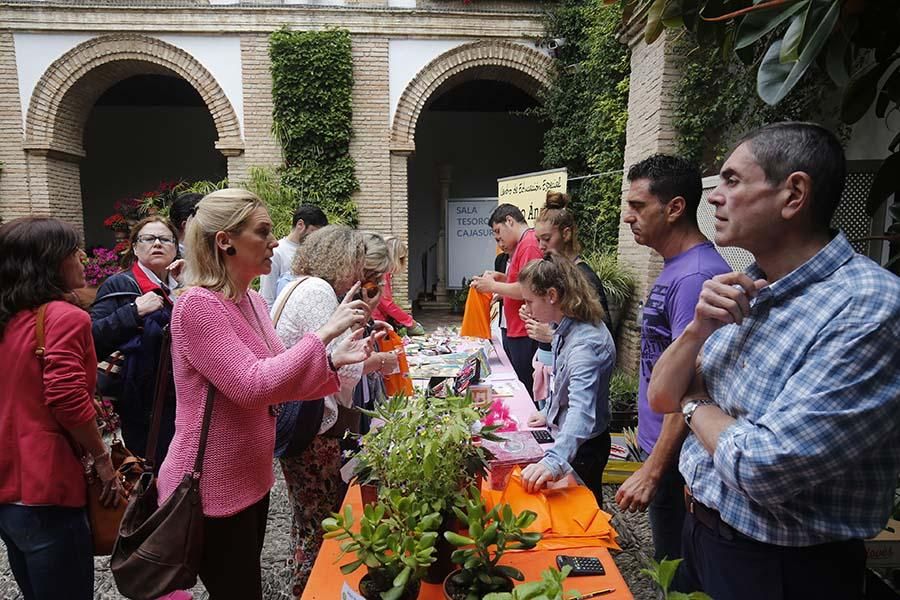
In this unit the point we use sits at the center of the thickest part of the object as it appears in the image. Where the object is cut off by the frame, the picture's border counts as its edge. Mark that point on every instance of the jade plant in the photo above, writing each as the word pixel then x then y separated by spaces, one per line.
pixel 490 534
pixel 548 587
pixel 424 448
pixel 395 541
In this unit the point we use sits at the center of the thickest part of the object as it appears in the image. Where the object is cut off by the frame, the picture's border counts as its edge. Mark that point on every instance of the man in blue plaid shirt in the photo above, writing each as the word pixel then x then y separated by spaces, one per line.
pixel 788 379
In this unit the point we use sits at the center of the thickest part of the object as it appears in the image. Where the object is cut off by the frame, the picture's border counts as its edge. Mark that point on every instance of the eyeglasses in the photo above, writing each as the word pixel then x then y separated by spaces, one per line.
pixel 152 239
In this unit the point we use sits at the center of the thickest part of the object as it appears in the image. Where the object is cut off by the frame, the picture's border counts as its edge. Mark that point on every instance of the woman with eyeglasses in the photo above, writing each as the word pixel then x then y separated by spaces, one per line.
pixel 45 405
pixel 577 411
pixel 129 316
pixel 327 264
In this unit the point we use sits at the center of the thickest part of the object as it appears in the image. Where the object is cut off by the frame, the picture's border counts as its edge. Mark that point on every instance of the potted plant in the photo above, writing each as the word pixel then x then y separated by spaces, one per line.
pixel 623 393
pixel 490 534
pixel 425 449
pixel 459 297
pixel 395 541
pixel 549 587
pixel 618 283
pixel 98 265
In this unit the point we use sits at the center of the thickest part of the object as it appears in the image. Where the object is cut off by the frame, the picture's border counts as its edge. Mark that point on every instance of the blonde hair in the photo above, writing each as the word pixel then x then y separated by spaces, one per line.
pixel 557 213
pixel 397 252
pixel 577 299
pixel 378 257
pixel 223 210
pixel 335 253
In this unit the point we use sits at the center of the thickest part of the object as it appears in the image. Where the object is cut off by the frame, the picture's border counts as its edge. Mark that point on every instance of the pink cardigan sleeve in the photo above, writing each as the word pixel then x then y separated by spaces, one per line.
pixel 208 338
pixel 68 387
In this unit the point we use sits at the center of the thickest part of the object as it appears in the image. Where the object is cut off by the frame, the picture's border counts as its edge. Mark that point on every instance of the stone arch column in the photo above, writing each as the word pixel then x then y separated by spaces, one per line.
pixel 68 90
pixel 498 60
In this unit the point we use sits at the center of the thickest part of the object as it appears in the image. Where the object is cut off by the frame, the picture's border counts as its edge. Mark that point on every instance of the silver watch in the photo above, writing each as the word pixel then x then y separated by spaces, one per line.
pixel 690 406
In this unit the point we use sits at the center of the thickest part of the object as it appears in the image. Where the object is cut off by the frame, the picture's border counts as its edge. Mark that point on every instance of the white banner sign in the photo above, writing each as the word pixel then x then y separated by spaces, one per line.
pixel 470 242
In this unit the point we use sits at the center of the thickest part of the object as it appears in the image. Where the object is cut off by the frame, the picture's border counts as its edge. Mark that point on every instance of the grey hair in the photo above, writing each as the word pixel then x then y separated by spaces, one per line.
pixel 784 148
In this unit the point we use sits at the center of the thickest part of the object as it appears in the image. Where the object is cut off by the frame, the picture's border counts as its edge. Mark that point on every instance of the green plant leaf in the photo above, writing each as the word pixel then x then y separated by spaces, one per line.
pixel 861 92
pixel 887 181
pixel 837 55
pixel 667 570
pixel 760 23
pixel 395 593
pixel 458 540
pixel 790 43
pixel 776 79
pixel 654 21
pixel 402 578
pixel 350 567
pixel 508 571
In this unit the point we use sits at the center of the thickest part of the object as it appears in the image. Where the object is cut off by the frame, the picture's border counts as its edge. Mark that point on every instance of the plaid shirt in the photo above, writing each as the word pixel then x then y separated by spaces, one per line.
pixel 813 379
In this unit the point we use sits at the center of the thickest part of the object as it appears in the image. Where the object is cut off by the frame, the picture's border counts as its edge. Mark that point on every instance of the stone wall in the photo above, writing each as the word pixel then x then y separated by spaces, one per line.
pixel 654 71
pixel 14 196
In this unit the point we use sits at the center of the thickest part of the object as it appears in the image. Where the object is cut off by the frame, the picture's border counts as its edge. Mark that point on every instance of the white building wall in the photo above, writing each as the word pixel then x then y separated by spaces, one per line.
pixel 220 55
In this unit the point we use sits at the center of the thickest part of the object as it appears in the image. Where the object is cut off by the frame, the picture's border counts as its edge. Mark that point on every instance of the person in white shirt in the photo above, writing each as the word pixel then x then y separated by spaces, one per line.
pixel 307 218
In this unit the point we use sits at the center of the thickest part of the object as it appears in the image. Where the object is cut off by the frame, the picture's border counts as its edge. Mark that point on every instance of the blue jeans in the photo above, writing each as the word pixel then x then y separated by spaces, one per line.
pixel 50 551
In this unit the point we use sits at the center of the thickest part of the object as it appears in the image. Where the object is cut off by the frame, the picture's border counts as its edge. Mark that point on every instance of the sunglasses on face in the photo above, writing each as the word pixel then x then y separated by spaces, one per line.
pixel 370 289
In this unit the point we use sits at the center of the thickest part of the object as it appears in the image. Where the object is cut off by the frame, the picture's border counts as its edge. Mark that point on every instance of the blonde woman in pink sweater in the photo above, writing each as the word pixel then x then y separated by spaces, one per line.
pixel 221 335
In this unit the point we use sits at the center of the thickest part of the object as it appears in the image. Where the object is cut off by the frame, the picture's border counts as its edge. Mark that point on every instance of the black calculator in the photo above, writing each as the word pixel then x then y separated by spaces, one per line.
pixel 542 436
pixel 581 565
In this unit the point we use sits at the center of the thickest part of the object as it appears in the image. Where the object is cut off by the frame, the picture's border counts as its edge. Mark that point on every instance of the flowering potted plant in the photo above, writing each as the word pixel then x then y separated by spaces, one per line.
pixel 100 264
pixel 395 542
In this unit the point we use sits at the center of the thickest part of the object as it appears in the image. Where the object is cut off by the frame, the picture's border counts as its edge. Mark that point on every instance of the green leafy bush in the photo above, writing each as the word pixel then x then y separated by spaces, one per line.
pixel 312 81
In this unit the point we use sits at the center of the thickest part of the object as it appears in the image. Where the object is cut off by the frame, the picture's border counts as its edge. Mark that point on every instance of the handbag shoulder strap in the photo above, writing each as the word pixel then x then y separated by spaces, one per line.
pixel 163 371
pixel 39 331
pixel 294 285
pixel 204 431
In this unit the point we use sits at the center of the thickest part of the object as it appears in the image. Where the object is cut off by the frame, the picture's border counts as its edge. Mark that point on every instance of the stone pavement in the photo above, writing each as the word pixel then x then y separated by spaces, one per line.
pixel 634 537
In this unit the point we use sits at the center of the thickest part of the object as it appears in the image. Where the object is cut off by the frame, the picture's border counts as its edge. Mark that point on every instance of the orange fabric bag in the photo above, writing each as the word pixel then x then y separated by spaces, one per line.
pixel 477 316
pixel 397 382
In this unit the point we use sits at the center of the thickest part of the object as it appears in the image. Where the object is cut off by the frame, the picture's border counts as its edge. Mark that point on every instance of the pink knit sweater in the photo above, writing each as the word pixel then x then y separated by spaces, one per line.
pixel 216 340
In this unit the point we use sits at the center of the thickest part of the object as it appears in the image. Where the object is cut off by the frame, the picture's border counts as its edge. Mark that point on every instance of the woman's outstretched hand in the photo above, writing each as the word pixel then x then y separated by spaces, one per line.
pixel 354 348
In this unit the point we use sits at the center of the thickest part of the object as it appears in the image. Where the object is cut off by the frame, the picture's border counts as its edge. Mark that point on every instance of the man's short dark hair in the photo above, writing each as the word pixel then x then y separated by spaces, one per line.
pixel 182 208
pixel 784 148
pixel 505 210
pixel 670 177
pixel 311 215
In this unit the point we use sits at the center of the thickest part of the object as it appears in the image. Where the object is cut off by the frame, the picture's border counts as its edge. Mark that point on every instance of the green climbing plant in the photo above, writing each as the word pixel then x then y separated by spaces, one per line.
pixel 586 109
pixel 312 81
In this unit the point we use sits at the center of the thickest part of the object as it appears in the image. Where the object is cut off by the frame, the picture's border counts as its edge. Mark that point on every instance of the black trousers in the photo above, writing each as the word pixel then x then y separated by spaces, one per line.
pixel 589 462
pixel 231 552
pixel 520 351
pixel 744 569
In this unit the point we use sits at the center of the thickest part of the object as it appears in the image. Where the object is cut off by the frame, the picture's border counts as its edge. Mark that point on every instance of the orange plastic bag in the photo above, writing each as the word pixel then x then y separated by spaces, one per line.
pixel 477 316
pixel 397 382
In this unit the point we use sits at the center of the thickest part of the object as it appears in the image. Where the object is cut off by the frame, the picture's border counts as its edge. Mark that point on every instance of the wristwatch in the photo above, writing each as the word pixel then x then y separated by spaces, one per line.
pixel 690 406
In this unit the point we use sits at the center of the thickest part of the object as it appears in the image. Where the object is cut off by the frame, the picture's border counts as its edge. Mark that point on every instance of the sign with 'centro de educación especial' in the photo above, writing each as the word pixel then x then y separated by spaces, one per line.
pixel 529 191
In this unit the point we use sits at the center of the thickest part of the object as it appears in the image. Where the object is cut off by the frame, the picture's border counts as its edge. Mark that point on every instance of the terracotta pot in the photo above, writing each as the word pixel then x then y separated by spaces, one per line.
pixel 369 493
pixel 452 593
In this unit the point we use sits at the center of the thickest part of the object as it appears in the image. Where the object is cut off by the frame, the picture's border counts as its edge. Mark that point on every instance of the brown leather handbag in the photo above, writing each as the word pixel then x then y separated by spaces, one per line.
pixel 159 547
pixel 104 520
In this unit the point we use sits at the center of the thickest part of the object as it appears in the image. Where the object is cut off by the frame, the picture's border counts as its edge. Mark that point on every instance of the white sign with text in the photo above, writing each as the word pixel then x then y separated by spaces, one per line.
pixel 470 242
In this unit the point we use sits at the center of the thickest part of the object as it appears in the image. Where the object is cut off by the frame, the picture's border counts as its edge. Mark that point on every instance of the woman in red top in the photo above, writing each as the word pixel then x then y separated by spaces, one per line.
pixel 387 310
pixel 46 405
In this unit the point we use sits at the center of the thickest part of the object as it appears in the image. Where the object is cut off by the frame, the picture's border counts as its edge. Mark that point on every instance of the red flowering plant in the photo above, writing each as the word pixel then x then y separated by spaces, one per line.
pixel 116 222
pixel 129 211
pixel 101 263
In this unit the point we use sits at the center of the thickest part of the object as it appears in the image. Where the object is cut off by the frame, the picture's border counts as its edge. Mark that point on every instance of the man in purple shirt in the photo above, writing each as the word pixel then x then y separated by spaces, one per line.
pixel 661 210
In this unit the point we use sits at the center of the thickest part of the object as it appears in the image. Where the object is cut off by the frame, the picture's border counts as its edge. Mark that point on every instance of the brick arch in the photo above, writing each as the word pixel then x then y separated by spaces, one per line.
pixel 507 61
pixel 69 88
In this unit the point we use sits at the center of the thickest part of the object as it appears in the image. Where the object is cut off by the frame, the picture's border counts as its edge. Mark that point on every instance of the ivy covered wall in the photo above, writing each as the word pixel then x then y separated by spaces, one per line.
pixel 587 111
pixel 312 80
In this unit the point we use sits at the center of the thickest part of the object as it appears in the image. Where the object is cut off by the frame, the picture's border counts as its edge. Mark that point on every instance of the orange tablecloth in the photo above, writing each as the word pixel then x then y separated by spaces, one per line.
pixel 326 580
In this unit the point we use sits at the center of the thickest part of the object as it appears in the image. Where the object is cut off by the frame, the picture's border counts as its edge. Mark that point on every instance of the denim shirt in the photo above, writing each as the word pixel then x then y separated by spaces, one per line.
pixel 578 410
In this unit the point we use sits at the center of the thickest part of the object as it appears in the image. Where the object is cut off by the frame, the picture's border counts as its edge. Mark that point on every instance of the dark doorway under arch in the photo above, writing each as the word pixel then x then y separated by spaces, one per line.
pixel 142 131
pixel 479 129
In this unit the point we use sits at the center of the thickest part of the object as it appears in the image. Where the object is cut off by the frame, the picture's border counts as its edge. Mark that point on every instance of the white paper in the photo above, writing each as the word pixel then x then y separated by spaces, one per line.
pixel 348 593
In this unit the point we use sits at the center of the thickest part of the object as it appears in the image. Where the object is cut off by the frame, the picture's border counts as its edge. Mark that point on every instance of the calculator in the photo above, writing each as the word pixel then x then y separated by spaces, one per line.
pixel 581 565
pixel 542 436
